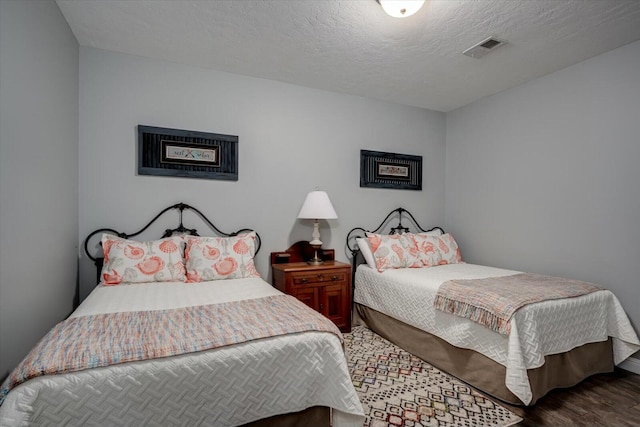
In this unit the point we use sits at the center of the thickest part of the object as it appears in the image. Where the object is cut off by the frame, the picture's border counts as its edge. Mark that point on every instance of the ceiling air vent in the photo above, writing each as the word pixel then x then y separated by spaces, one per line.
pixel 485 46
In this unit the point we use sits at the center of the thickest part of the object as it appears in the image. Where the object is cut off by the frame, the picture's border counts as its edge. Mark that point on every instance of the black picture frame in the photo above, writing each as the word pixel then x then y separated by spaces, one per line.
pixel 379 169
pixel 186 153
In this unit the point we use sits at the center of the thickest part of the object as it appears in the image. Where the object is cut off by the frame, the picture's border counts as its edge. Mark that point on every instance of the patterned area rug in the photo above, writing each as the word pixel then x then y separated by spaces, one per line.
pixel 399 389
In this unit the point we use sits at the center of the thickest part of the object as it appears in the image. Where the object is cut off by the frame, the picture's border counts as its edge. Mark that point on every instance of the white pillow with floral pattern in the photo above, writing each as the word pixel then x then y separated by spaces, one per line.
pixel 449 250
pixel 428 248
pixel 130 261
pixel 394 251
pixel 437 250
pixel 215 258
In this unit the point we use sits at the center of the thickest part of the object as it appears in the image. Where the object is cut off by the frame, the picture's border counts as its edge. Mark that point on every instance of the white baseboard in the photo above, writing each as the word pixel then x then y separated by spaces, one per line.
pixel 631 364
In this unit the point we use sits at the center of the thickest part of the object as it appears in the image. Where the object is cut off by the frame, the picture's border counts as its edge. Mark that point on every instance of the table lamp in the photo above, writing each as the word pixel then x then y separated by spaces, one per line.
pixel 317 206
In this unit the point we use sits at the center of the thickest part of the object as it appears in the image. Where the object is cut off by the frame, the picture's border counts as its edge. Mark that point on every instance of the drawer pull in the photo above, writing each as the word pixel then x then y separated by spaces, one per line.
pixel 303 280
pixel 334 278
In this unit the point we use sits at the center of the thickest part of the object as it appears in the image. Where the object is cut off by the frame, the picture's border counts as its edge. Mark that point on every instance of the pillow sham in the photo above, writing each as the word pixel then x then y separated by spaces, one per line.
pixel 131 261
pixel 394 251
pixel 365 250
pixel 428 249
pixel 437 250
pixel 449 250
pixel 215 258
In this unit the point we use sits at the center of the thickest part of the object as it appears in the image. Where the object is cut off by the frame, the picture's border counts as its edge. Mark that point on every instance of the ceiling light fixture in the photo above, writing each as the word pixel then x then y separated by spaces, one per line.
pixel 401 8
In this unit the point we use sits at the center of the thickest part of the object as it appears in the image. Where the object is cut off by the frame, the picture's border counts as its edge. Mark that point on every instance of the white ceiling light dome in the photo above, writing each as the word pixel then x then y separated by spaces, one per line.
pixel 401 8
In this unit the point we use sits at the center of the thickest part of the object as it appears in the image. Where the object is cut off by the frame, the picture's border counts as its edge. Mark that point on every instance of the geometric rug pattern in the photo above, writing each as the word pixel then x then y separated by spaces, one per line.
pixel 399 389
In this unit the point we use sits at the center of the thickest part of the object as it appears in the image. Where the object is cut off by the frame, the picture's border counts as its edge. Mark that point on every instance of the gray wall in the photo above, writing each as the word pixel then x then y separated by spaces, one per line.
pixel 38 174
pixel 292 139
pixel 545 177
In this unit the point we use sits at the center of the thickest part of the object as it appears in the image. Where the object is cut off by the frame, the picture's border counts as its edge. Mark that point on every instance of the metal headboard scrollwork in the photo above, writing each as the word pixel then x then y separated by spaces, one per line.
pixel 181 207
pixel 359 232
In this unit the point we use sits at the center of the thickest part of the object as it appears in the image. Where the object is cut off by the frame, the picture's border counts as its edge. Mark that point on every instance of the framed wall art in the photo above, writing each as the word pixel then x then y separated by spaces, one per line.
pixel 390 170
pixel 186 153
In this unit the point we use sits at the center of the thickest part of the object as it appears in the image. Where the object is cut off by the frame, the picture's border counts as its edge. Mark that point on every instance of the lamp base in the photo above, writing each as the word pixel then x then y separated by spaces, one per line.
pixel 315 260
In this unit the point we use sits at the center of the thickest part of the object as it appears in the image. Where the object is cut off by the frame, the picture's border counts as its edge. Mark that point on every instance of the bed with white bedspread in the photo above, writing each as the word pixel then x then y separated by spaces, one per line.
pixel 537 330
pixel 248 379
pixel 551 343
pixel 229 386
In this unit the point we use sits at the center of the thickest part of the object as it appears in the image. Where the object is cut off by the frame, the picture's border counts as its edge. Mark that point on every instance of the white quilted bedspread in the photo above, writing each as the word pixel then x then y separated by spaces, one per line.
pixel 537 330
pixel 222 387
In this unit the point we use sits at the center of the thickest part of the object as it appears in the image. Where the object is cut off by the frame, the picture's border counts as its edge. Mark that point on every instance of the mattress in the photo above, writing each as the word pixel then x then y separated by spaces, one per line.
pixel 537 330
pixel 226 386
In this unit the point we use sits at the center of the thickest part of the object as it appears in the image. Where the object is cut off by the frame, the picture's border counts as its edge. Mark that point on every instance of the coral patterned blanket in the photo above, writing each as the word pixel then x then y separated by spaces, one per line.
pixel 106 339
pixel 494 300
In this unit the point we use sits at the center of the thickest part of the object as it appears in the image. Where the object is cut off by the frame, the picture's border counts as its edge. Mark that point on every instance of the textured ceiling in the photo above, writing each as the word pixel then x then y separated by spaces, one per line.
pixel 352 46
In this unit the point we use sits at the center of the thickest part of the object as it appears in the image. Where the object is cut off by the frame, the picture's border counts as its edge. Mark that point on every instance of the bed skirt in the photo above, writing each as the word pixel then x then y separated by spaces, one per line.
pixel 559 370
pixel 314 416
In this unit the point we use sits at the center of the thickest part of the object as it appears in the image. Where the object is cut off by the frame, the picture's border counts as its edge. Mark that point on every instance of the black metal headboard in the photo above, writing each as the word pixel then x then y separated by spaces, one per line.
pixel 359 232
pixel 181 207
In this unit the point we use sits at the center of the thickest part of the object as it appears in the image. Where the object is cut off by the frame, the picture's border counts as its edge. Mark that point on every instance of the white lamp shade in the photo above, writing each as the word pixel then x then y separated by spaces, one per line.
pixel 317 206
pixel 401 8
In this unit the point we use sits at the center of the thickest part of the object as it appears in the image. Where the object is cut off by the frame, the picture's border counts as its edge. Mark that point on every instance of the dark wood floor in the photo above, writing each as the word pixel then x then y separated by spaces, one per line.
pixel 601 400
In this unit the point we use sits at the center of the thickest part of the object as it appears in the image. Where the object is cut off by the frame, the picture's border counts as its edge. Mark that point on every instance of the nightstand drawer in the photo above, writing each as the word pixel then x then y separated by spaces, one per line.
pixel 302 279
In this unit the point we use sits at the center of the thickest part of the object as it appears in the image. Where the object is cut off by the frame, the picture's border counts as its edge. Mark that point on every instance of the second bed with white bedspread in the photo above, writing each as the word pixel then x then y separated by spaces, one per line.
pixel 537 330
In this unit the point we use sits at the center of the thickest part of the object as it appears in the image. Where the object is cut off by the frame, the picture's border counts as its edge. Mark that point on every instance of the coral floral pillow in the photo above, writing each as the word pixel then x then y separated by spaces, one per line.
pixel 130 261
pixel 437 250
pixel 214 258
pixel 428 248
pixel 449 250
pixel 394 251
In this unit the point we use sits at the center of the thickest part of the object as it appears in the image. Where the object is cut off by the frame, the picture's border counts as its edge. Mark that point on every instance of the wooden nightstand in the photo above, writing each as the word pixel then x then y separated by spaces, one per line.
pixel 326 288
